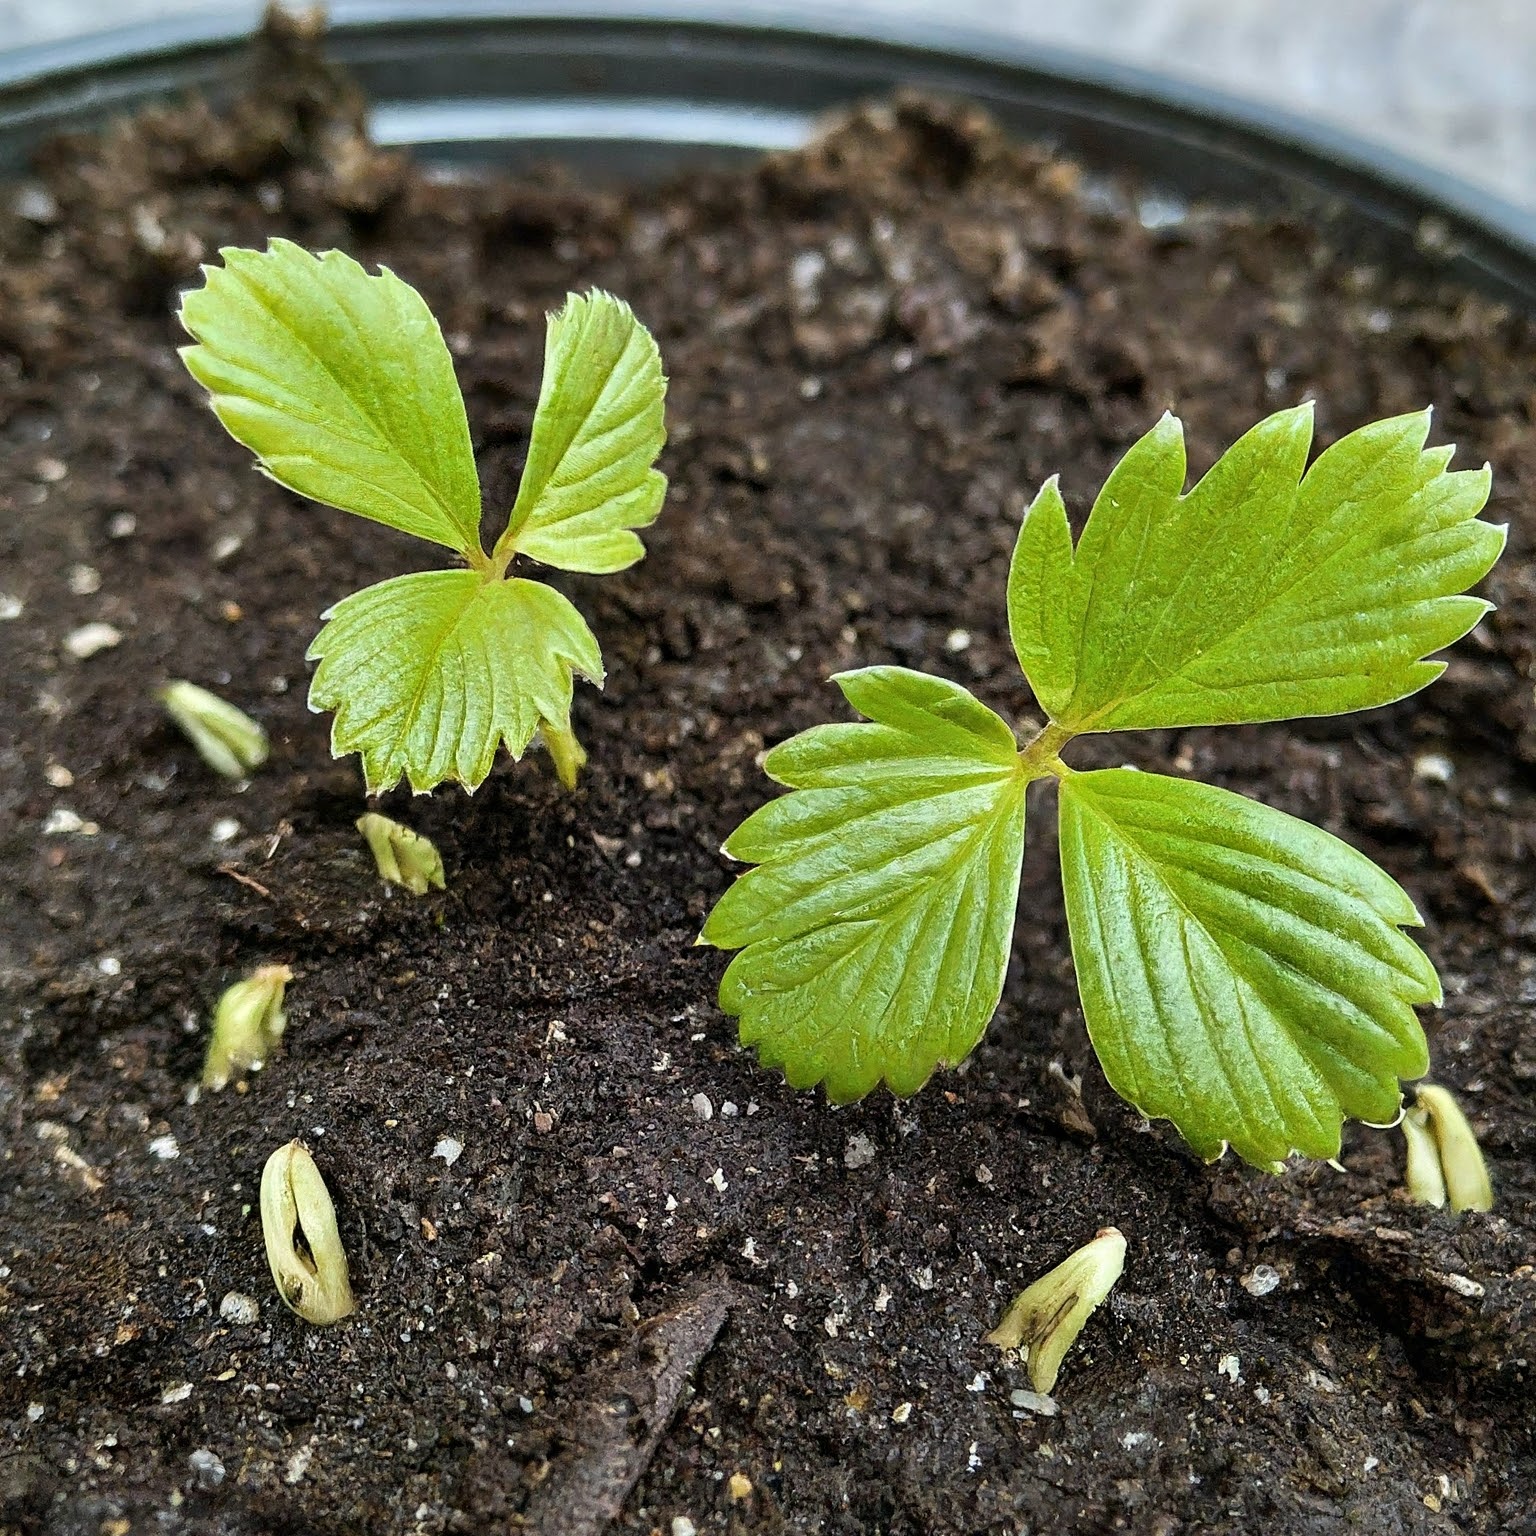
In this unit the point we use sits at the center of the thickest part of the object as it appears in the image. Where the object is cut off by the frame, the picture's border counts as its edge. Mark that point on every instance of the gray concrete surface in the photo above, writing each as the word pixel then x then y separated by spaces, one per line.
pixel 1452 82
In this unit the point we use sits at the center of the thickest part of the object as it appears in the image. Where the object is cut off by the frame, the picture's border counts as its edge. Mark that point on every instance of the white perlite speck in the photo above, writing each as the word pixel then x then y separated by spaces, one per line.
pixel 702 1106
pixel 63 822
pixel 1463 1285
pixel 91 638
pixel 177 1392
pixel 1034 1402
pixel 449 1149
pixel 859 1153
pixel 166 1148
pixel 805 272
pixel 206 1468
pixel 683 1526
pixel 1230 1367
pixel 35 203
pixel 239 1309
pixel 1434 768
pixel 1261 1280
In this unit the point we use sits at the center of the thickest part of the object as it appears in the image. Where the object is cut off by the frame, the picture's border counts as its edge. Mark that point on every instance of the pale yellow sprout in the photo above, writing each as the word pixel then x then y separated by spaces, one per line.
pixel 1424 1176
pixel 304 1252
pixel 1045 1320
pixel 226 738
pixel 248 1022
pixel 1438 1116
pixel 404 857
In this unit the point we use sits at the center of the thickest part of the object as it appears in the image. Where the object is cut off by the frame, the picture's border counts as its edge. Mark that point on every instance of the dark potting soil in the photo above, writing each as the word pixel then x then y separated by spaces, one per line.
pixel 650 1263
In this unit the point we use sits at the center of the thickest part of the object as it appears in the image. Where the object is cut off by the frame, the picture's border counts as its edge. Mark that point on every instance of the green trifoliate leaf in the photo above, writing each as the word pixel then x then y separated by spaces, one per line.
pixel 599 425
pixel 1243 974
pixel 1268 592
pixel 428 673
pixel 341 384
pixel 874 933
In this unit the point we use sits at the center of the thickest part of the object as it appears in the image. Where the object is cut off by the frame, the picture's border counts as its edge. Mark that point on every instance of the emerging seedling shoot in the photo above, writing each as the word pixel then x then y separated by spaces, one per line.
pixel 1243 974
pixel 404 858
pixel 1044 1321
pixel 342 386
pixel 226 738
pixel 298 1225
pixel 248 1024
pixel 1444 1159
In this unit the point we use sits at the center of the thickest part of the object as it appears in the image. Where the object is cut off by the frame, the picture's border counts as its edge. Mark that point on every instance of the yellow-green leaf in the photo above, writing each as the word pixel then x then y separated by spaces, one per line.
pixel 428 673
pixel 341 384
pixel 588 482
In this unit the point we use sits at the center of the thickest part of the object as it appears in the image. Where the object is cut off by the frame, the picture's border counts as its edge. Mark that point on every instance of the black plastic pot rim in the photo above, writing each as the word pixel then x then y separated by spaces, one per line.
pixel 73 71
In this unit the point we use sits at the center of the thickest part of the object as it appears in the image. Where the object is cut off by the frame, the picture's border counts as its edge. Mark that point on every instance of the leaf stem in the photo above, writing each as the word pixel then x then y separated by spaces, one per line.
pixel 1041 754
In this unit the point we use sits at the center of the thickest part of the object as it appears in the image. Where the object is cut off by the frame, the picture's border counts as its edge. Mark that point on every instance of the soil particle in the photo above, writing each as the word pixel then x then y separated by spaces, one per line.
pixel 878 347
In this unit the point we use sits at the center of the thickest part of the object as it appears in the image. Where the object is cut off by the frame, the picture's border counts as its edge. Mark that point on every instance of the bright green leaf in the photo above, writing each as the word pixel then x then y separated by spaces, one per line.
pixel 596 433
pixel 1265 593
pixel 341 385
pixel 1243 974
pixel 874 933
pixel 1040 600
pixel 428 673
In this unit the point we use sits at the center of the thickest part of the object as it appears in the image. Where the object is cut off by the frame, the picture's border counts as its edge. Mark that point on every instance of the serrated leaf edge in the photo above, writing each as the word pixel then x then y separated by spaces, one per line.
pixel 376 788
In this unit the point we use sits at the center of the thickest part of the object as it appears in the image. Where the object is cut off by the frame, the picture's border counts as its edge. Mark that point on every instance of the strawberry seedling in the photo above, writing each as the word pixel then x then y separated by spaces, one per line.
pixel 1242 973
pixel 342 386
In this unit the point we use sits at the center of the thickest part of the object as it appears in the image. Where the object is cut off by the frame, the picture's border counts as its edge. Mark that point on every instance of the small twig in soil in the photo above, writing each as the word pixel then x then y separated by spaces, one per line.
pixel 614 1433
pixel 255 885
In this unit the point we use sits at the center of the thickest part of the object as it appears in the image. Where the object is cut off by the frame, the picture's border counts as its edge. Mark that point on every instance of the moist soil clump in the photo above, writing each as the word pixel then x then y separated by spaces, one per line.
pixel 609 1271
